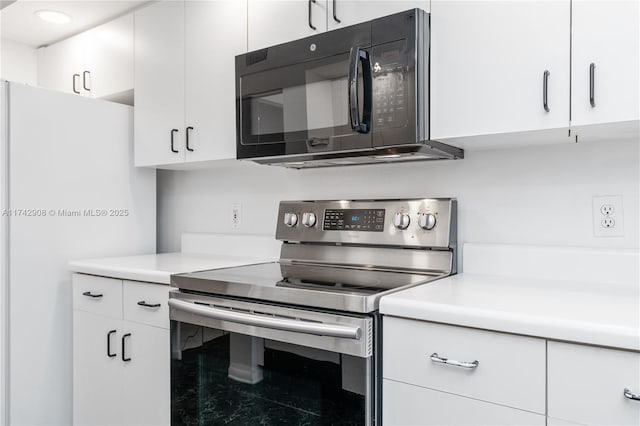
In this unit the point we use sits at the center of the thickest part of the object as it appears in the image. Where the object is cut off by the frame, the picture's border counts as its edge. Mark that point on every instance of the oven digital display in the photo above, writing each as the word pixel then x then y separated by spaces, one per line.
pixel 371 220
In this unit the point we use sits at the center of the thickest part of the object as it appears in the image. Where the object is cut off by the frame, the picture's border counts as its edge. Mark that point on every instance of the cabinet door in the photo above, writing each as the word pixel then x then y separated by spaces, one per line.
pixel 349 12
pixel 488 63
pixel 97 385
pixel 586 384
pixel 210 50
pixel 109 57
pixel 145 377
pixel 405 404
pixel 274 22
pixel 605 34
pixel 58 63
pixel 159 83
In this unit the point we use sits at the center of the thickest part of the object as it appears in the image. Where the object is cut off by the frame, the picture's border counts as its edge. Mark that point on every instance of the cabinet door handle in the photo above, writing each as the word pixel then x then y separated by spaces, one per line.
pixel 74 84
pixel 173 131
pixel 124 343
pixel 630 395
pixel 335 16
pixel 545 90
pixel 148 305
pixel 188 147
pixel 464 364
pixel 109 354
pixel 592 84
pixel 89 294
pixel 84 80
pixel 310 20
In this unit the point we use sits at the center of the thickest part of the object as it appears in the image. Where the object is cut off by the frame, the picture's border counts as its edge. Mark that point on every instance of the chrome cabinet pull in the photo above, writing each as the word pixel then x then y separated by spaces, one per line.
pixel 435 358
pixel 335 17
pixel 74 84
pixel 84 80
pixel 630 395
pixel 148 305
pixel 545 90
pixel 257 320
pixel 311 23
pixel 124 341
pixel 188 147
pixel 109 354
pixel 173 131
pixel 592 84
pixel 89 294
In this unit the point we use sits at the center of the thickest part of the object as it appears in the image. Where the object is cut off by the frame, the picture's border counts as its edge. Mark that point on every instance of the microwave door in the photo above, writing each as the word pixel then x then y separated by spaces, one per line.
pixel 303 108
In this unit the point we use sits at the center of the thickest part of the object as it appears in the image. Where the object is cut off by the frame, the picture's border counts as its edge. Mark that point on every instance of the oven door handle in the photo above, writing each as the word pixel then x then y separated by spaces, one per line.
pixel 258 320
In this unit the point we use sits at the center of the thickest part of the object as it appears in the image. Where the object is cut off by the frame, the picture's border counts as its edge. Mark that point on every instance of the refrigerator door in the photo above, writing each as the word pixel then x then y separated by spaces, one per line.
pixel 73 193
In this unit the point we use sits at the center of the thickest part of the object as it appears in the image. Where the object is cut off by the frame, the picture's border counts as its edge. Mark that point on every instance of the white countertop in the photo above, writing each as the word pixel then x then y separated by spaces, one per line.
pixel 598 313
pixel 158 268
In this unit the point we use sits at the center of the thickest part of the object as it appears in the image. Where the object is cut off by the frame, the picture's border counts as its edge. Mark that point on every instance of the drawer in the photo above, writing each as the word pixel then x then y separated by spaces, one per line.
pixel 510 370
pixel 98 295
pixel 405 405
pixel 146 303
pixel 586 384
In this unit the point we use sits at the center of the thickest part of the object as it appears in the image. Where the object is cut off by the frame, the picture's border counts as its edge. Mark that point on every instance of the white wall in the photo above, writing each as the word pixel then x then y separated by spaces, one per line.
pixel 18 62
pixel 534 195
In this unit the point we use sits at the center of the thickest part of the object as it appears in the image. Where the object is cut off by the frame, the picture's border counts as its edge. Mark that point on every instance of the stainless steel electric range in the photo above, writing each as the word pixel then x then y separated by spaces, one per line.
pixel 298 341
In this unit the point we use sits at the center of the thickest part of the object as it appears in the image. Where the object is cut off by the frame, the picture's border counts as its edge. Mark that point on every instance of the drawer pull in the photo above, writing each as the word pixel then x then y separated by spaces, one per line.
pixel 435 358
pixel 147 305
pixel 630 395
pixel 89 294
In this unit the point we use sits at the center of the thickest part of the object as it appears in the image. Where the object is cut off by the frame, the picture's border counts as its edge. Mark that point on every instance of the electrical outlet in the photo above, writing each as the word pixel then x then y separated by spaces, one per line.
pixel 608 219
pixel 236 216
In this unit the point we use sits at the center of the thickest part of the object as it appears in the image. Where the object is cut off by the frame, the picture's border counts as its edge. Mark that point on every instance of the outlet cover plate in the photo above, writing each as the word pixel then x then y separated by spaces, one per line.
pixel 236 216
pixel 615 202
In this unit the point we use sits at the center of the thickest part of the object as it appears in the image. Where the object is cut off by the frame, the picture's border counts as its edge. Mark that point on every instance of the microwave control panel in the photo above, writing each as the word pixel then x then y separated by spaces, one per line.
pixel 389 67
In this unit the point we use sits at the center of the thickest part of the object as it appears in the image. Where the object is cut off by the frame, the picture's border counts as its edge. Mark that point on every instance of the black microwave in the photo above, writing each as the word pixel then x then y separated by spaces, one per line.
pixel 355 95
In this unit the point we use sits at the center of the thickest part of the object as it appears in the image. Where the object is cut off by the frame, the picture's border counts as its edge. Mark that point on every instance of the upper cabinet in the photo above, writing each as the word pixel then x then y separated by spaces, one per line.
pixel 499 67
pixel 342 13
pixel 605 76
pixel 97 63
pixel 184 79
pixel 274 22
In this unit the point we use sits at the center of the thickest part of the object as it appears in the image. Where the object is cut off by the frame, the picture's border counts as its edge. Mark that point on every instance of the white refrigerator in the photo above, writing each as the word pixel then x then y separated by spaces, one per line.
pixel 68 191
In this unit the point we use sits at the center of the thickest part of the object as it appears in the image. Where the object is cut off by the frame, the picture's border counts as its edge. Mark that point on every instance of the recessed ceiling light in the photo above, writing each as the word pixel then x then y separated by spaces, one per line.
pixel 53 16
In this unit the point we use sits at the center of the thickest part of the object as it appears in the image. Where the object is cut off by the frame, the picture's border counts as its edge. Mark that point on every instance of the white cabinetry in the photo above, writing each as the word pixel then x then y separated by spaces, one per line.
pixel 411 352
pixel 488 65
pixel 96 63
pixel 274 22
pixel 605 76
pixel 586 384
pixel 349 12
pixel 184 74
pixel 406 405
pixel 120 352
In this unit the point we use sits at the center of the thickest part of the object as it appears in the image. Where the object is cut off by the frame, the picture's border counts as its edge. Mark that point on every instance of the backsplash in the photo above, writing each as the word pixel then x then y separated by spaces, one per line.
pixel 531 195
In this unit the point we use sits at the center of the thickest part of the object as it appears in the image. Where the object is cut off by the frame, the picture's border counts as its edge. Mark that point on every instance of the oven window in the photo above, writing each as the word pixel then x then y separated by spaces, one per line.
pixel 219 377
pixel 296 103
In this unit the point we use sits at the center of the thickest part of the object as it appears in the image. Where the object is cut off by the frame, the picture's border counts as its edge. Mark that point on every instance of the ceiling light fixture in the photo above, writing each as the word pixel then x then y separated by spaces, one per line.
pixel 53 16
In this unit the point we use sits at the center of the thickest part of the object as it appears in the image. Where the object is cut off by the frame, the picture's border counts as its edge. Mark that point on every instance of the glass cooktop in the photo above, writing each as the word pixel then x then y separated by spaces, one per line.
pixel 331 287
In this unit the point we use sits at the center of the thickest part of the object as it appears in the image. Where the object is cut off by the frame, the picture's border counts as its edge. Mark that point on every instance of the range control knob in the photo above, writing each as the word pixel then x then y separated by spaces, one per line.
pixel 427 221
pixel 290 219
pixel 308 219
pixel 401 220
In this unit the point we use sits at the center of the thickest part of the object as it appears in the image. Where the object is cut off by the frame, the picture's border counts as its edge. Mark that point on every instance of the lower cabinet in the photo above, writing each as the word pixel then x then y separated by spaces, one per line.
pixel 586 385
pixel 406 405
pixel 121 354
pixel 438 374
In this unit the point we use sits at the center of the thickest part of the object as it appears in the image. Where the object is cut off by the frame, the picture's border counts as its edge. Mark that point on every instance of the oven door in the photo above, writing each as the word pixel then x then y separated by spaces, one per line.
pixel 240 362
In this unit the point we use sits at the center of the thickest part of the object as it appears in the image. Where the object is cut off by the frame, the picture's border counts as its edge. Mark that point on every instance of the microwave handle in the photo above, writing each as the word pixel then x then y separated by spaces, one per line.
pixel 356 57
